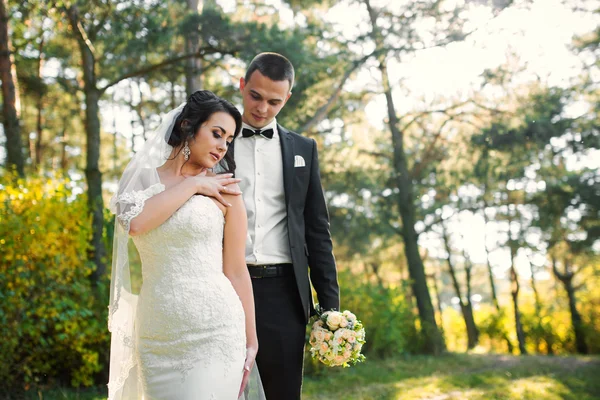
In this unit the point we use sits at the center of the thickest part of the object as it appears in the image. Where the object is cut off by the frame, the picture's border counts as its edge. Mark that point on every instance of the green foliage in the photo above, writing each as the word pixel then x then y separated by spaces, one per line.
pixel 51 319
pixel 384 312
pixel 493 327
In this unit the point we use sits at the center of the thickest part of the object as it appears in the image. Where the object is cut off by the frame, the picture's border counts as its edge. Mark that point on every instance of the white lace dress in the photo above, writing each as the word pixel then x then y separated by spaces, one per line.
pixel 190 334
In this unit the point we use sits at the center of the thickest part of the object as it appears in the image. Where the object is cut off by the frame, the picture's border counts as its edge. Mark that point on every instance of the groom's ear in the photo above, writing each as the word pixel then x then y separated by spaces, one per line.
pixel 287 98
pixel 243 84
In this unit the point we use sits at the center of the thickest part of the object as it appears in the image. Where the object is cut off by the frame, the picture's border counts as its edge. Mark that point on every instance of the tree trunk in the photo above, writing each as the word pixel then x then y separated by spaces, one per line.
pixel 487 255
pixel 474 332
pixel 566 279
pixel 12 130
pixel 193 70
pixel 538 307
pixel 494 296
pixel 115 137
pixel 375 269
pixel 94 180
pixel 434 342
pixel 173 95
pixel 63 150
pixel 433 339
pixel 40 108
pixel 139 109
pixel 576 320
pixel 465 307
pixel 436 292
pixel 92 128
pixel 514 279
pixel 133 135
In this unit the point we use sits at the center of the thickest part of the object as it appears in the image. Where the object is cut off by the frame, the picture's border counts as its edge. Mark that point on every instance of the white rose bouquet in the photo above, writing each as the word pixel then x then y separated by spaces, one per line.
pixel 337 339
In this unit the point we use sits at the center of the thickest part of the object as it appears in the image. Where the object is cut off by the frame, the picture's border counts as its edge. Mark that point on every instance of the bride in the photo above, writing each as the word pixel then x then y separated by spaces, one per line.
pixel 190 333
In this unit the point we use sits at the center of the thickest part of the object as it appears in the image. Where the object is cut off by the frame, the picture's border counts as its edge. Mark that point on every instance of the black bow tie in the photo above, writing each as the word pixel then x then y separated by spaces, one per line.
pixel 268 133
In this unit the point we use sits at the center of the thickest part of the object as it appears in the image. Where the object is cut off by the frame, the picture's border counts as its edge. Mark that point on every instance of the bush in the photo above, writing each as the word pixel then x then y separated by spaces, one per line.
pixel 52 323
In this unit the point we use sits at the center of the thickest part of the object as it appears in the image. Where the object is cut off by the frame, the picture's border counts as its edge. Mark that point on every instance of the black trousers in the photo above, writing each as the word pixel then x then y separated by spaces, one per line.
pixel 281 327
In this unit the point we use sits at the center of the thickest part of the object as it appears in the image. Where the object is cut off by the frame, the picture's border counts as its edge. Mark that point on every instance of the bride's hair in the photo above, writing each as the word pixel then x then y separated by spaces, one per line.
pixel 198 109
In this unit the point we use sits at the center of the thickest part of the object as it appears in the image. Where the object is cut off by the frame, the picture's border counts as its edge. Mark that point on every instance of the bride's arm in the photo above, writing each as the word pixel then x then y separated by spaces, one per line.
pixel 234 267
pixel 157 209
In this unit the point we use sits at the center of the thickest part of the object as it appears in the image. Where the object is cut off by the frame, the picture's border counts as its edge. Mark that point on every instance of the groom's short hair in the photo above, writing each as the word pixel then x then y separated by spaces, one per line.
pixel 272 65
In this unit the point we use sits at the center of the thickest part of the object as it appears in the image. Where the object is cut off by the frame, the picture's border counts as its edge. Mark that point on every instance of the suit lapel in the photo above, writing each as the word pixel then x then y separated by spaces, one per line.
pixel 287 155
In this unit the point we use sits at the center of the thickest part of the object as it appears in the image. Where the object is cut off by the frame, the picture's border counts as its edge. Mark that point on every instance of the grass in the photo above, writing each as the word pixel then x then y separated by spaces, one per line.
pixel 450 377
pixel 462 376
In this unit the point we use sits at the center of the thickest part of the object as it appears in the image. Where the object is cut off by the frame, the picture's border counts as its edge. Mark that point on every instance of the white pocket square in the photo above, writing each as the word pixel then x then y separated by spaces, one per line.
pixel 299 162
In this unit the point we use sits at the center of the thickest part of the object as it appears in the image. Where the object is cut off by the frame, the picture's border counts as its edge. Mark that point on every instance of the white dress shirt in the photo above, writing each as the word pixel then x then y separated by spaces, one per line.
pixel 260 167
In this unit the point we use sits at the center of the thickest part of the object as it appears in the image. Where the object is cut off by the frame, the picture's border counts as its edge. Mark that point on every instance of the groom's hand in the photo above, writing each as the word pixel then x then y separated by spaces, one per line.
pixel 251 352
pixel 215 186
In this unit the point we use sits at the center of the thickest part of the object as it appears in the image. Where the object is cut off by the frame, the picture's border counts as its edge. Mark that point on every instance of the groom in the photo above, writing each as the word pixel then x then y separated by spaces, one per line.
pixel 288 226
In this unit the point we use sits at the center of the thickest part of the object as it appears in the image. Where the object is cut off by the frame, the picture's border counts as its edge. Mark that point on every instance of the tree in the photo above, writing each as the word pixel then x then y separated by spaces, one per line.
pixel 97 44
pixel 14 147
pixel 193 70
pixel 465 302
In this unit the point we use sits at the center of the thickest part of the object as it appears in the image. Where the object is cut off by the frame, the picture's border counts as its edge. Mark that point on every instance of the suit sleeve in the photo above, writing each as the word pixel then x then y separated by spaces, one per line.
pixel 323 273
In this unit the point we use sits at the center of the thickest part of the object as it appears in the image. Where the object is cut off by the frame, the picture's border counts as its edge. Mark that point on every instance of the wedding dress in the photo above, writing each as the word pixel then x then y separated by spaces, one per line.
pixel 183 337
pixel 191 341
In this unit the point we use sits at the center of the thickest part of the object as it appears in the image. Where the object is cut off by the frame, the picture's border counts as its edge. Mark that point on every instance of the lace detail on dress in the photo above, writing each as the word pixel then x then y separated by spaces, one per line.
pixel 134 202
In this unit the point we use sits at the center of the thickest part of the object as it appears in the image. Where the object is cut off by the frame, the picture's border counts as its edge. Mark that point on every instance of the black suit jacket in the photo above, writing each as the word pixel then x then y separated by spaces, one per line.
pixel 308 223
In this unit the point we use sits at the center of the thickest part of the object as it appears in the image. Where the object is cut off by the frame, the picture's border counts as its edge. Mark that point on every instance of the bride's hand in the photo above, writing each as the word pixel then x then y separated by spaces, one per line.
pixel 215 186
pixel 251 352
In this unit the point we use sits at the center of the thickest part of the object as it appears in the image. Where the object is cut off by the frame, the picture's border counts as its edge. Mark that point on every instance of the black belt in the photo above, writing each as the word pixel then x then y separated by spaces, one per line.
pixel 270 271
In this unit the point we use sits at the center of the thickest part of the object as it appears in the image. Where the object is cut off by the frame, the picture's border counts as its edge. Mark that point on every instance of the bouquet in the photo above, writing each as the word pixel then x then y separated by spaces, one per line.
pixel 337 339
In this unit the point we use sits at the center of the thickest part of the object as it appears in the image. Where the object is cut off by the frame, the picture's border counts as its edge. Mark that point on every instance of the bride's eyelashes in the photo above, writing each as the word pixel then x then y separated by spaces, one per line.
pixel 217 135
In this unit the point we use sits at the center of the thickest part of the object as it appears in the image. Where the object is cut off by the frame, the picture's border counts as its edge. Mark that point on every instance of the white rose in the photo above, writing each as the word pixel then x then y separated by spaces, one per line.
pixel 324 348
pixel 319 335
pixel 333 320
pixel 349 315
pixel 343 322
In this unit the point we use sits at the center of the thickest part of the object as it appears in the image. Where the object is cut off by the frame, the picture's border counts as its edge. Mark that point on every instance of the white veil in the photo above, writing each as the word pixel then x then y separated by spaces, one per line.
pixel 139 182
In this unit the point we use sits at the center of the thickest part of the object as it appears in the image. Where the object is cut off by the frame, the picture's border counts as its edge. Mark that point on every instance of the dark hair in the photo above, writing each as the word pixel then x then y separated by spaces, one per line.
pixel 272 65
pixel 198 109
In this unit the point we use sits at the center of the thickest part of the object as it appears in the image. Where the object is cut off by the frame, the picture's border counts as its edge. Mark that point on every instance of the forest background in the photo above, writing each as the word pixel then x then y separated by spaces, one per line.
pixel 459 150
